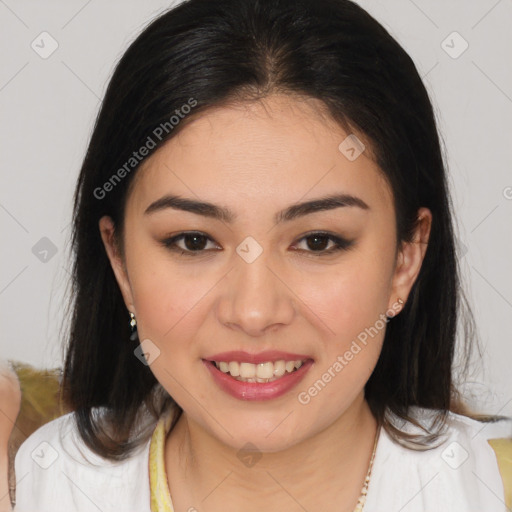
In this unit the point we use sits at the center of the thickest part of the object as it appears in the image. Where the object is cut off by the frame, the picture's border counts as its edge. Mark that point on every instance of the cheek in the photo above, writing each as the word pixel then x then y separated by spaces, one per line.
pixel 159 294
pixel 353 306
pixel 165 301
pixel 169 313
pixel 352 301
pixel 351 298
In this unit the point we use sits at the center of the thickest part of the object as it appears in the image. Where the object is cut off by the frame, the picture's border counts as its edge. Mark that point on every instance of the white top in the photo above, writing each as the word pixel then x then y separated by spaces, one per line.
pixel 461 475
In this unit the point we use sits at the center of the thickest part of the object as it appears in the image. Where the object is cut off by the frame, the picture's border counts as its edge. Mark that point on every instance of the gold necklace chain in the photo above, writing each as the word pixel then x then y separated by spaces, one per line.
pixel 364 491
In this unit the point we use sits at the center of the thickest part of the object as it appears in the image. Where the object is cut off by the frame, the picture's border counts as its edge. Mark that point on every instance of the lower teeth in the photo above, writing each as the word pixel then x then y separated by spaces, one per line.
pixel 261 381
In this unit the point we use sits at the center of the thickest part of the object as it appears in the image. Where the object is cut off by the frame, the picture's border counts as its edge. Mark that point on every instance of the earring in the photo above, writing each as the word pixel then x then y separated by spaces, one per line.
pixel 133 325
pixel 394 310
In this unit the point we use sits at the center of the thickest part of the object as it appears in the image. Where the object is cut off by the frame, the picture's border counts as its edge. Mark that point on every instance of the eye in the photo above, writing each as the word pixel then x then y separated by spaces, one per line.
pixel 194 243
pixel 319 240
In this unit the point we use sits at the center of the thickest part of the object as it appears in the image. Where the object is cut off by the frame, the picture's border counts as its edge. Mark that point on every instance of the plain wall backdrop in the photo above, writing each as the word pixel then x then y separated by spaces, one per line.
pixel 57 57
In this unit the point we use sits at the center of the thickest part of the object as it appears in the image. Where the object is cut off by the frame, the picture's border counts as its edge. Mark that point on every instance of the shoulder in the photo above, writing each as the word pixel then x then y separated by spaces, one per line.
pixel 460 422
pixel 465 439
pixel 480 428
pixel 458 428
pixel 459 472
pixel 56 471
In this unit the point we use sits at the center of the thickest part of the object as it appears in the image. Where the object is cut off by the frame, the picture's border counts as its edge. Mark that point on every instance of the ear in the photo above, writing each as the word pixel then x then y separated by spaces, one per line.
pixel 410 258
pixel 107 230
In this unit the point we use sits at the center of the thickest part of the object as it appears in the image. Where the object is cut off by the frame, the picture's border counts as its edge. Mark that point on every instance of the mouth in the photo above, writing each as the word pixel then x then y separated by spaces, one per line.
pixel 267 371
pixel 266 378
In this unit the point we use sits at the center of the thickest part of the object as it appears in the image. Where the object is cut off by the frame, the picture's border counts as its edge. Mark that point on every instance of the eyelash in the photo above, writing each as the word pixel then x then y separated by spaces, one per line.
pixel 340 243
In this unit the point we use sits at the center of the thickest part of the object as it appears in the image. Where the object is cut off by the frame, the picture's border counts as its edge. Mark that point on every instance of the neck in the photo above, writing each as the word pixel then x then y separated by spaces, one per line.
pixel 323 472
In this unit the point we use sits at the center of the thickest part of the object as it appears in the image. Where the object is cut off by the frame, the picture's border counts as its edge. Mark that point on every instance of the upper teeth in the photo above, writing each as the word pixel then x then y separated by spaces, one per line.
pixel 260 371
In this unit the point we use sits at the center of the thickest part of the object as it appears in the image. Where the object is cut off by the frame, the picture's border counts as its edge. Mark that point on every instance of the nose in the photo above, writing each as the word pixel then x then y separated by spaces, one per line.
pixel 255 298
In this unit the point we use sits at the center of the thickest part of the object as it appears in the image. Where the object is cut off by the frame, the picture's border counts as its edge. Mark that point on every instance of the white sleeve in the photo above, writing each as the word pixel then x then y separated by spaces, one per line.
pixel 56 472
pixel 39 486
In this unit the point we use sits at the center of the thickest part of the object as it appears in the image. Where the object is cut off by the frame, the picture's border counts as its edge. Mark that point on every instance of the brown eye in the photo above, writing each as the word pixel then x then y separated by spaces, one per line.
pixel 318 242
pixel 193 242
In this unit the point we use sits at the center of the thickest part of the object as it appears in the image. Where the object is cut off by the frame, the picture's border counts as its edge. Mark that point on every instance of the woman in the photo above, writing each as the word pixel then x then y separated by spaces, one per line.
pixel 266 285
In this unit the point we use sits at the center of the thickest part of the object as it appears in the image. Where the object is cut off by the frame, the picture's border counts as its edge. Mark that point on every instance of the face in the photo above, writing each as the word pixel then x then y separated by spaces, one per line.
pixel 313 283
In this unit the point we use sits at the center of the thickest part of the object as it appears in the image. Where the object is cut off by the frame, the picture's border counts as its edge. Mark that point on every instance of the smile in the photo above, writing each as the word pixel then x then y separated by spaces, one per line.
pixel 257 381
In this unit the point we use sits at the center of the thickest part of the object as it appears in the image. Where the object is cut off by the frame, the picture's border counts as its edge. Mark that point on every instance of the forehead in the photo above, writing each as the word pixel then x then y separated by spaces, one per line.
pixel 278 149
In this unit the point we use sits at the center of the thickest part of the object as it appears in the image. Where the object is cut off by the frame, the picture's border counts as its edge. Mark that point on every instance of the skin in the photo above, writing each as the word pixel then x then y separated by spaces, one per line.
pixel 258 158
pixel 10 400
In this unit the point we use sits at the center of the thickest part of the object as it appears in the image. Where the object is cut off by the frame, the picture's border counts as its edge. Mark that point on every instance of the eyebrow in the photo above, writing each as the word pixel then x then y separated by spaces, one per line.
pixel 226 215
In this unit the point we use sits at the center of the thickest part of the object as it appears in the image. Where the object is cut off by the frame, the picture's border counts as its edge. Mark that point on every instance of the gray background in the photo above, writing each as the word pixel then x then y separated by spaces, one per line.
pixel 48 106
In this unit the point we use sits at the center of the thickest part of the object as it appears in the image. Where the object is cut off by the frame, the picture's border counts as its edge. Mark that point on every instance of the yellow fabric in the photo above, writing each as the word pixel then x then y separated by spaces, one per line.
pixel 503 450
pixel 160 496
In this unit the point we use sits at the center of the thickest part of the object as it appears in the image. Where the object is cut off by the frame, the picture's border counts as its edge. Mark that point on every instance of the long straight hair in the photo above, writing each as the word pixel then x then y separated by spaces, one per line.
pixel 207 54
